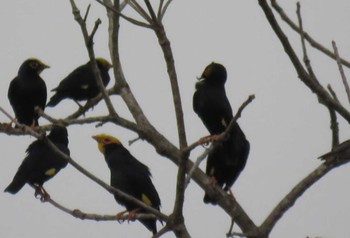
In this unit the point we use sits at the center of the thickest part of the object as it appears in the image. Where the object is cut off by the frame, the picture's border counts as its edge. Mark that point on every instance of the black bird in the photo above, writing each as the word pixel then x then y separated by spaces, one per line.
pixel 130 176
pixel 81 84
pixel 41 163
pixel 228 159
pixel 28 90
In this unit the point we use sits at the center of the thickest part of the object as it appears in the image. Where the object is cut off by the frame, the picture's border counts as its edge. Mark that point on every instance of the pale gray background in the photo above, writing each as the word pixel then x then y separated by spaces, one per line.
pixel 286 126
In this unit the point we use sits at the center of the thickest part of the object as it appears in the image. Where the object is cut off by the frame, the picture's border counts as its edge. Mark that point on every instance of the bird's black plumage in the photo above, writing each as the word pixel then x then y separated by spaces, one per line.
pixel 41 162
pixel 28 90
pixel 81 84
pixel 210 102
pixel 130 176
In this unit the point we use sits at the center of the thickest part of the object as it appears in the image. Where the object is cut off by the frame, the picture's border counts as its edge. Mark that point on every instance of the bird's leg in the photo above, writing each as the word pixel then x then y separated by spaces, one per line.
pixel 122 216
pixel 79 105
pixel 211 138
pixel 213 181
pixel 205 140
pixel 41 193
pixel 33 125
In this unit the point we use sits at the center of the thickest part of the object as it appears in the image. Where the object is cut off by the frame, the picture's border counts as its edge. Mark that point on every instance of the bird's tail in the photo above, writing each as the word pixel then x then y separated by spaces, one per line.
pixel 150 224
pixel 54 100
pixel 15 186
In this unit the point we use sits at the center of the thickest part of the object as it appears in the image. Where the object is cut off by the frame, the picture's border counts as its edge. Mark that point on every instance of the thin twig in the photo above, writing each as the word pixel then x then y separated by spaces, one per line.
pixel 322 94
pixel 160 6
pixel 96 217
pixel 93 32
pixel 165 8
pixel 334 122
pixel 129 19
pixel 302 36
pixel 137 7
pixel 312 42
pixel 289 200
pixel 87 12
pixel 331 91
pixel 342 74
pixel 88 42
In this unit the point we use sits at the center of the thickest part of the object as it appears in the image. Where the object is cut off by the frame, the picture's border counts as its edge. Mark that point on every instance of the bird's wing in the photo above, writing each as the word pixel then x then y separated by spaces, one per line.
pixel 80 77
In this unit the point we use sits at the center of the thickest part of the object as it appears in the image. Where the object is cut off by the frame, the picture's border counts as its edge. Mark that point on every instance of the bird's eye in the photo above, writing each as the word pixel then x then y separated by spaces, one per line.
pixel 34 65
pixel 106 141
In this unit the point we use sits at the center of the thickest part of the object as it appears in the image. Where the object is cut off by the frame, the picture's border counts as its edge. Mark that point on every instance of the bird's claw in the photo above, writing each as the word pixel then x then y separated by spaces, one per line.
pixel 41 193
pixel 210 138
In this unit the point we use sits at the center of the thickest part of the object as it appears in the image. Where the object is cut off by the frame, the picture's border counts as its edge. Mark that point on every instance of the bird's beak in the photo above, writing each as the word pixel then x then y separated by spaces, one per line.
pixel 200 78
pixel 45 66
pixel 95 138
pixel 42 67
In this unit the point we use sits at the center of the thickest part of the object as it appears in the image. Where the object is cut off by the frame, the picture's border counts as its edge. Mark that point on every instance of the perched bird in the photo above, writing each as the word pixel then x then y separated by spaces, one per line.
pixel 28 90
pixel 41 163
pixel 228 159
pixel 81 84
pixel 130 176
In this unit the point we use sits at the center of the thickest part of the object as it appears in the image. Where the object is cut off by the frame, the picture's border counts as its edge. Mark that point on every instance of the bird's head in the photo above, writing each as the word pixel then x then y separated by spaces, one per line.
pixel 104 140
pixel 215 73
pixel 33 65
pixel 104 63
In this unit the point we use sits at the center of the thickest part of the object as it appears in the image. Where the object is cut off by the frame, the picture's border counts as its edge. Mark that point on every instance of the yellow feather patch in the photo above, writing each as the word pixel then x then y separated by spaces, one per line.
pixel 223 122
pixel 146 200
pixel 104 62
pixel 50 172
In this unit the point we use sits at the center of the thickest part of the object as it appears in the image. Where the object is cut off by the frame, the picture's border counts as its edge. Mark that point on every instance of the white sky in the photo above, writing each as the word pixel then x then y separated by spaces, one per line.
pixel 285 125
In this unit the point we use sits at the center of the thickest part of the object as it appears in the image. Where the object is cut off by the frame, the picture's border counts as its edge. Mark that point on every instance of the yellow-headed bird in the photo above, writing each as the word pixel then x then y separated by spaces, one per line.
pixel 130 176
pixel 81 83
pixel 28 90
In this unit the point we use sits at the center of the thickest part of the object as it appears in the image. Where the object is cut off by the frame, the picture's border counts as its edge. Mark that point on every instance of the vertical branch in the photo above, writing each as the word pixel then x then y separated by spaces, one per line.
pixel 89 45
pixel 302 37
pixel 342 74
pixel 169 59
pixel 334 122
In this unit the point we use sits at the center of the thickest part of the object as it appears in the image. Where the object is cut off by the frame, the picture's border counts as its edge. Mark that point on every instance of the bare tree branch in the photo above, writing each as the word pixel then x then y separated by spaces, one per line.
pixel 137 7
pixel 89 45
pixel 306 57
pixel 325 99
pixel 334 121
pixel 289 200
pixel 312 42
pixel 342 74
pixel 163 10
pixel 315 87
pixel 129 19
pixel 96 217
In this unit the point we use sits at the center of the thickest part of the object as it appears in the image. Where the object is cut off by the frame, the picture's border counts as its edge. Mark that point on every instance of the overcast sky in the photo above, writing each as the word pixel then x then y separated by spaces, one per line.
pixel 286 126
